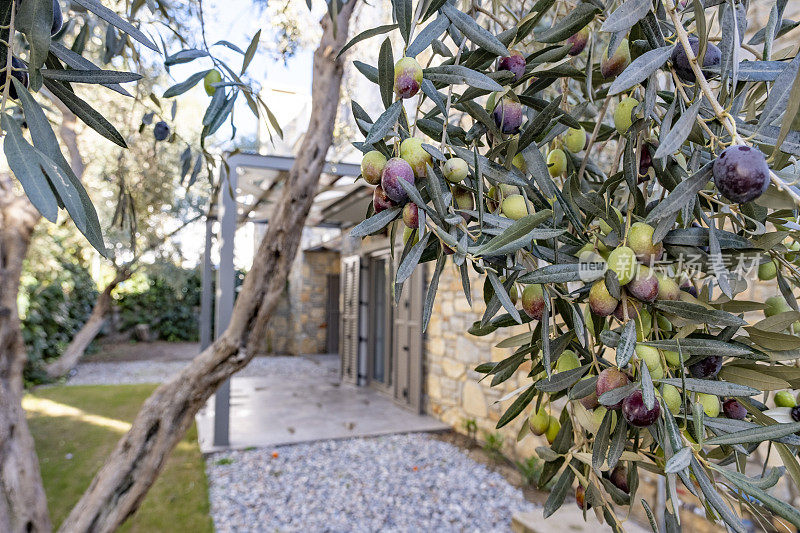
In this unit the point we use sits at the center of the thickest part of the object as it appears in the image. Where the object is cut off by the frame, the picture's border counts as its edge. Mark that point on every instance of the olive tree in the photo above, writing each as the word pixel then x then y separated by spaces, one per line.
pixel 625 171
pixel 32 60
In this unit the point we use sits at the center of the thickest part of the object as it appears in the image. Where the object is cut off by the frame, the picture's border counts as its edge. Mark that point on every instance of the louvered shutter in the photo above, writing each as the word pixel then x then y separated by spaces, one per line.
pixel 408 342
pixel 348 351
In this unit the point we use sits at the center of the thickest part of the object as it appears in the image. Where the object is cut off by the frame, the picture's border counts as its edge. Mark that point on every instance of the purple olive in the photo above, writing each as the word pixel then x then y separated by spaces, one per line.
pixel 733 409
pixel 706 368
pixel 396 169
pixel 380 201
pixel 161 131
pixel 636 412
pixel 741 173
pixel 508 115
pixel 681 63
pixel 515 63
pixel 610 379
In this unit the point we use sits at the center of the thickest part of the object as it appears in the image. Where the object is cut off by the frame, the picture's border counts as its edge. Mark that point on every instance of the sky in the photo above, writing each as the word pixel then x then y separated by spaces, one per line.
pixel 237 21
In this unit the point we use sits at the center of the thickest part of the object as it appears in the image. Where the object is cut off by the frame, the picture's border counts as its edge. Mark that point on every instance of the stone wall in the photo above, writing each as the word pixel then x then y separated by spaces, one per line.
pixel 299 325
pixel 453 391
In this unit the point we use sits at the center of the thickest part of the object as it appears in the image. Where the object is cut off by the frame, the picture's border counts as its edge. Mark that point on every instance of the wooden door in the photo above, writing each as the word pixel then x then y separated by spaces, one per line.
pixel 332 322
pixel 408 343
pixel 380 352
pixel 349 339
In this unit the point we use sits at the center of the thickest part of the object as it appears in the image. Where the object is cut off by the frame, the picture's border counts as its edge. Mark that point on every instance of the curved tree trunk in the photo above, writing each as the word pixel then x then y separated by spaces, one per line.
pixel 81 341
pixel 119 487
pixel 23 506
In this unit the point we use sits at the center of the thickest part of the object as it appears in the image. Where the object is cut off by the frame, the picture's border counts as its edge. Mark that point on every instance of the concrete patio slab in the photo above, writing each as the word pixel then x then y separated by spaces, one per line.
pixel 276 410
pixel 568 519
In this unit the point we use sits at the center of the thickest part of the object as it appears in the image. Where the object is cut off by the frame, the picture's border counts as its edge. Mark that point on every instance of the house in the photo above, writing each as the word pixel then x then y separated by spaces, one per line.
pixel 340 298
pixel 382 345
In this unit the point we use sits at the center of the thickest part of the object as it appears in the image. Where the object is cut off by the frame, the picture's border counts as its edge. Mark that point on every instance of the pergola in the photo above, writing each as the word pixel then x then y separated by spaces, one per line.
pixel 248 181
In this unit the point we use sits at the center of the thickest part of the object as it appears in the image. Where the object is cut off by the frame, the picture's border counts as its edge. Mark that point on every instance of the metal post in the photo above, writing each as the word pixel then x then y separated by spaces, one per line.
pixel 206 294
pixel 225 292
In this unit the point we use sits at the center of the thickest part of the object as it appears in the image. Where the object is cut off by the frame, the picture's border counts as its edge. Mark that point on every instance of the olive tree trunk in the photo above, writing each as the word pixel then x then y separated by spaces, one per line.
pixel 23 506
pixel 81 341
pixel 121 484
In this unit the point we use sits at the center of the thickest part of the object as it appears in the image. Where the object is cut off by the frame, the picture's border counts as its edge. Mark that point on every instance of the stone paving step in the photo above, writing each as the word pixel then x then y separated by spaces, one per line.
pixel 568 519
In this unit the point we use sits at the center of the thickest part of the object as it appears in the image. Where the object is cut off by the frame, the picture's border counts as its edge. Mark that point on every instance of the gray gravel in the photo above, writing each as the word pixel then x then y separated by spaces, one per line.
pixel 359 485
pixel 116 373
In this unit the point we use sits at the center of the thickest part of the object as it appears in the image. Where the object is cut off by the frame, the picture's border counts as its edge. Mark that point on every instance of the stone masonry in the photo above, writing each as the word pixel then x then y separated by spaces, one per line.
pixel 299 324
pixel 453 391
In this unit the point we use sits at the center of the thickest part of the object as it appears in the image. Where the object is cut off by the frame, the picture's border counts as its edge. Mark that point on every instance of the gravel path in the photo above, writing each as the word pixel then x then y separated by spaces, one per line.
pixel 393 483
pixel 116 373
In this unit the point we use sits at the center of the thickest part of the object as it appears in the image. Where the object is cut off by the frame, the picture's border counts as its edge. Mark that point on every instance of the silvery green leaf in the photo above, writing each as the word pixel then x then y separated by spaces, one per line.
pixel 640 69
pixel 614 396
pixel 78 62
pixel 184 56
pixel 779 507
pixel 618 442
pixel 20 156
pixel 681 195
pixel 758 434
pixel 627 344
pixel 386 72
pixel 112 18
pixel 784 27
pixel 679 461
pixel 85 112
pixel 583 388
pixel 698 313
pixel 575 21
pixel 559 492
pixel 711 492
pixel 692 346
pixel 436 97
pixel 409 262
pixel 561 380
pixel 697 236
pixel 430 296
pixel 516 408
pixel 427 35
pixel 757 70
pixel 512 236
pixel 501 294
pixel 475 32
pixel 708 386
pixel 188 83
pixel 375 222
pixel 560 273
pixel 369 72
pixel 600 447
pixel 460 75
pixel 679 132
pixel 403 11
pixel 648 391
pixel 626 15
pixel 384 123
pixel 779 94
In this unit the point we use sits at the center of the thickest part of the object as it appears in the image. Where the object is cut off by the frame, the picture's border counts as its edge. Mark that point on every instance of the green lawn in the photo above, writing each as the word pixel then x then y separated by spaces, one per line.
pixel 83 423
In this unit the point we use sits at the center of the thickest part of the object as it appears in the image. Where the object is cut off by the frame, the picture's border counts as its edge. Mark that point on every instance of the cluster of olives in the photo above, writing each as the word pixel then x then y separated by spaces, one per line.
pixel 639 285
pixel 741 173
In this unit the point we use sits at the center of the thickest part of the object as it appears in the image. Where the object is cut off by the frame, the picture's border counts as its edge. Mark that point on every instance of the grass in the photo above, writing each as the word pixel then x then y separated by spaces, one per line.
pixel 75 428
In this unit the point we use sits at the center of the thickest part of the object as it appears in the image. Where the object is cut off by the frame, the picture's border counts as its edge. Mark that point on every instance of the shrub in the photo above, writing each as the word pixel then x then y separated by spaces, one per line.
pixel 165 297
pixel 53 309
